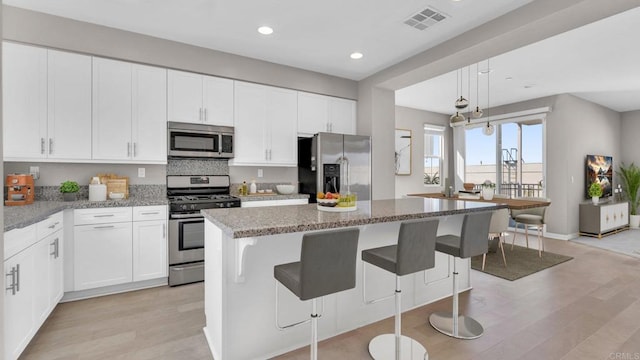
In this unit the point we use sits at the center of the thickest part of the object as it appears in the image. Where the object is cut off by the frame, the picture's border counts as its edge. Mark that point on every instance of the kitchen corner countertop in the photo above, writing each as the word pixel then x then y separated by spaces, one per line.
pixel 16 217
pixel 272 196
pixel 250 222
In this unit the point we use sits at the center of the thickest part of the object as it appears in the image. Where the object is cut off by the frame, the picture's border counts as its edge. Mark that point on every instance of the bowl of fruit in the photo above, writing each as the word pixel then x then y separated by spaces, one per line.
pixel 328 199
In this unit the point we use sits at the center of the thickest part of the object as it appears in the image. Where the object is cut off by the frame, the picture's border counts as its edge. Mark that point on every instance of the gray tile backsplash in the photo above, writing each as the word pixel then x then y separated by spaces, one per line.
pixel 197 167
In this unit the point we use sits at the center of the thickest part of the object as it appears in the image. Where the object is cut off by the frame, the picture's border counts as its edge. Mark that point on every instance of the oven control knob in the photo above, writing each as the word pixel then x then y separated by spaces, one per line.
pixel 193 206
pixel 229 205
pixel 220 205
pixel 183 207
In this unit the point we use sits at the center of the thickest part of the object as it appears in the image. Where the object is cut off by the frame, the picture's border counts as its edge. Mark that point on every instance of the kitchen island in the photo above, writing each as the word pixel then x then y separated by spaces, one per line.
pixel 243 245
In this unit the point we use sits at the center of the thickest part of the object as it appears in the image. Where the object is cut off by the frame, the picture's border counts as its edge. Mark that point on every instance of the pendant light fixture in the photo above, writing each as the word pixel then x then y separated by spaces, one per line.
pixel 457 117
pixel 461 103
pixel 488 129
pixel 477 113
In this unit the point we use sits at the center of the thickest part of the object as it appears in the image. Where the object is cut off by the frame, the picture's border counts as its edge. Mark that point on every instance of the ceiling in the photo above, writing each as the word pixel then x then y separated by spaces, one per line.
pixel 312 35
pixel 595 62
pixel 598 62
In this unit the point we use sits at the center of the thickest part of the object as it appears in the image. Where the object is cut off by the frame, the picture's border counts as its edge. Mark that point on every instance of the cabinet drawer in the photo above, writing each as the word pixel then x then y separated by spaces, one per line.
pixel 102 215
pixel 143 213
pixel 17 240
pixel 49 225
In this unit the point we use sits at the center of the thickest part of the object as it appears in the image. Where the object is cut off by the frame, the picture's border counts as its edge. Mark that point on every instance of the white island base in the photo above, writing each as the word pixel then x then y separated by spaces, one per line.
pixel 240 291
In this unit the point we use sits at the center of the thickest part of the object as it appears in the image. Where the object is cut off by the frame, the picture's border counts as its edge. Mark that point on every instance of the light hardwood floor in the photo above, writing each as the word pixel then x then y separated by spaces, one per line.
pixel 586 308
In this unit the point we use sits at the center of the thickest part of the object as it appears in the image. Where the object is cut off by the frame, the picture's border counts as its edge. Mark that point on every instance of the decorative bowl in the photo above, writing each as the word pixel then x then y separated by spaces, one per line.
pixel 468 186
pixel 285 189
pixel 327 202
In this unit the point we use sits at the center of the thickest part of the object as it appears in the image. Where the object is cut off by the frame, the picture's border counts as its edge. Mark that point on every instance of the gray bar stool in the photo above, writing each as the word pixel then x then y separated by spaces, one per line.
pixel 327 265
pixel 414 252
pixel 471 242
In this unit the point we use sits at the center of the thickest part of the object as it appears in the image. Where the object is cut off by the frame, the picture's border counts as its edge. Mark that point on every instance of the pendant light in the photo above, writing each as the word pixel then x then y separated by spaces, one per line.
pixel 488 129
pixel 477 113
pixel 457 117
pixel 461 103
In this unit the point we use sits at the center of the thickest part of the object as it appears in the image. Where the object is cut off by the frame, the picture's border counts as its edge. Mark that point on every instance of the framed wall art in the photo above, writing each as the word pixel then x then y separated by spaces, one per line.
pixel 403 152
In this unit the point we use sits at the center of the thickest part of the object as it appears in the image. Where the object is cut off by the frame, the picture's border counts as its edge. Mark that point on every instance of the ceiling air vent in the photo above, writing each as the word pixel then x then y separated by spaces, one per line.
pixel 425 18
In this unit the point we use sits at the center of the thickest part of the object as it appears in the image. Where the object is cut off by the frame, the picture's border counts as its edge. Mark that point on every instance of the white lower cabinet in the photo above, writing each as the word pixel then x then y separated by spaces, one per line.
pixel 33 281
pixel 149 243
pixel 103 255
pixel 115 246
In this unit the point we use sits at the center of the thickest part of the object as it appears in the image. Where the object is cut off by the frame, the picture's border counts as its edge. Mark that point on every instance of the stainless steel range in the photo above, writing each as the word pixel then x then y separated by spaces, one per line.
pixel 188 194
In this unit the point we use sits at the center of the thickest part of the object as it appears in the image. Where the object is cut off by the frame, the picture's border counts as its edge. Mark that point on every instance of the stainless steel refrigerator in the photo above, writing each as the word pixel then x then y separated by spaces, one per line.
pixel 330 162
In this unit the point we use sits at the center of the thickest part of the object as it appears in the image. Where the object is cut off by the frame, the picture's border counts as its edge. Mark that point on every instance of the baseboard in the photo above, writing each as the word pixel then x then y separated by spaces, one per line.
pixel 114 289
pixel 555 236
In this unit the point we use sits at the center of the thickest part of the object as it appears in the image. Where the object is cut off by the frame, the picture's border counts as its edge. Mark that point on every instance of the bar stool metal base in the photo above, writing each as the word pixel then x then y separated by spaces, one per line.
pixel 383 347
pixel 468 327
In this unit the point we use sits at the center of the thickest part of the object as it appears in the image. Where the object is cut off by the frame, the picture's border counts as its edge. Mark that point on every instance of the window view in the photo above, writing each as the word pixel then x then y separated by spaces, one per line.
pixel 520 169
pixel 433 154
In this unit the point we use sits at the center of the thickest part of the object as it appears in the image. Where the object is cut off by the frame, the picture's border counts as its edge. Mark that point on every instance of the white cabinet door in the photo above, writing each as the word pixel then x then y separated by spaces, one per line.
pixel 217 101
pixel 342 114
pixel 282 123
pixel 69 106
pixel 184 97
pixel 250 124
pixel 19 325
pixel 41 302
pixel 313 113
pixel 111 109
pixel 24 83
pixel 149 122
pixel 56 267
pixel 102 255
pixel 149 250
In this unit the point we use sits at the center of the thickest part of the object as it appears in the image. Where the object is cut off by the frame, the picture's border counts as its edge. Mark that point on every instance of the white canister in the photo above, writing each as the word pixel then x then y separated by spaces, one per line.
pixel 97 192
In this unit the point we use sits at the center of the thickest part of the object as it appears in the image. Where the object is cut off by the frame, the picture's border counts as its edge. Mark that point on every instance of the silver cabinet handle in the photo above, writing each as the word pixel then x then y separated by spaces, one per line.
pixel 50 146
pixel 41 145
pixel 104 227
pixel 200 116
pixel 15 278
pixel 150 213
pixel 128 149
pixel 205 115
pixel 135 149
pixel 53 225
pixel 55 245
pixel 164 231
pixel 103 215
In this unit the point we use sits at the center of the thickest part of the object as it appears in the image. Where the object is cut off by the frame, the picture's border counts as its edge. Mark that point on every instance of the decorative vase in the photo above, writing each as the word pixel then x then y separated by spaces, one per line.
pixel 487 193
pixel 634 221
pixel 69 196
pixel 595 200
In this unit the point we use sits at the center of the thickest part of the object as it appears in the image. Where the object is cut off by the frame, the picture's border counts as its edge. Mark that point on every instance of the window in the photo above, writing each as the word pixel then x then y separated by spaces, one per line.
pixel 433 154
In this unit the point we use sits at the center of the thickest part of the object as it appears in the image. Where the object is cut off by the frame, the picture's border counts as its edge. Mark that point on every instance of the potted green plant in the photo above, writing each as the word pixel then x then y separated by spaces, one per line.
pixel 488 190
pixel 630 178
pixel 595 191
pixel 69 189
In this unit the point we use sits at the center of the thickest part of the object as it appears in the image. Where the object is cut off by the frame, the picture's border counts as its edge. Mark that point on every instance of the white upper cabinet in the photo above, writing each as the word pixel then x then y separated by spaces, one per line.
pixel 319 113
pixel 200 99
pixel 265 126
pixel 47 104
pixel 129 117
pixel 69 106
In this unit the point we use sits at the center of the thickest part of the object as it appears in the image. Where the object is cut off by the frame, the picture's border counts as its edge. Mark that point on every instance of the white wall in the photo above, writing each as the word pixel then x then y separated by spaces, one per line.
pixel 630 139
pixel 414 120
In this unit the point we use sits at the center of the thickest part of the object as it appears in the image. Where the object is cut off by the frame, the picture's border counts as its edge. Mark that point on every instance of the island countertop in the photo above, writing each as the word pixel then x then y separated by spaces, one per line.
pixel 250 222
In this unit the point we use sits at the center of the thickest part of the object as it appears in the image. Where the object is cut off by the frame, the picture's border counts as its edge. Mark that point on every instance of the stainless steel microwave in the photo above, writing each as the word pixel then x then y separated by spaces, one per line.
pixel 199 141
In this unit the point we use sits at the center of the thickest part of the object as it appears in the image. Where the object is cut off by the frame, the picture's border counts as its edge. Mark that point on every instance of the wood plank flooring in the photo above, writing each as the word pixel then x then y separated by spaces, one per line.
pixel 586 308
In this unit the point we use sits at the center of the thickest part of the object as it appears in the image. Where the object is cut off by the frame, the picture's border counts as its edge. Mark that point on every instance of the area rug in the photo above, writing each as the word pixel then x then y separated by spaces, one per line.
pixel 521 262
pixel 624 242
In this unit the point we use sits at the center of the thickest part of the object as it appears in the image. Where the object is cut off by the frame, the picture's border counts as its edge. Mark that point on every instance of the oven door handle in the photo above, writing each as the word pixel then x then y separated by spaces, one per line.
pixel 185 216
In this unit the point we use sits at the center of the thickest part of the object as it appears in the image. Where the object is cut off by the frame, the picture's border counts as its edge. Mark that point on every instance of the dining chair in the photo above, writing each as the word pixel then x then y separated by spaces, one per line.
pixel 531 217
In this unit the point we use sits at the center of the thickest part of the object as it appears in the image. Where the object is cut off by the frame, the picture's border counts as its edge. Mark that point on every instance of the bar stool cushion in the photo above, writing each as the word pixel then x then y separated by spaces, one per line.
pixel 414 252
pixel 327 264
pixel 472 240
pixel 529 219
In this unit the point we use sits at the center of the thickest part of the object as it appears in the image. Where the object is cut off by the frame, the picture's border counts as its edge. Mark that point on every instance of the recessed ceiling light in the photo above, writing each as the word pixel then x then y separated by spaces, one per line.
pixel 265 30
pixel 356 55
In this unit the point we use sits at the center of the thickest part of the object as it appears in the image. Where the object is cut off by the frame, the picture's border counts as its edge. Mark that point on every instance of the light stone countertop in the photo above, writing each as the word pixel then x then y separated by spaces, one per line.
pixel 272 196
pixel 16 217
pixel 261 221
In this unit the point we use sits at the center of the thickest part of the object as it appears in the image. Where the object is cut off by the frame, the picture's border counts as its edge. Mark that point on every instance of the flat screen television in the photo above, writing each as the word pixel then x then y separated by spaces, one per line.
pixel 600 170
